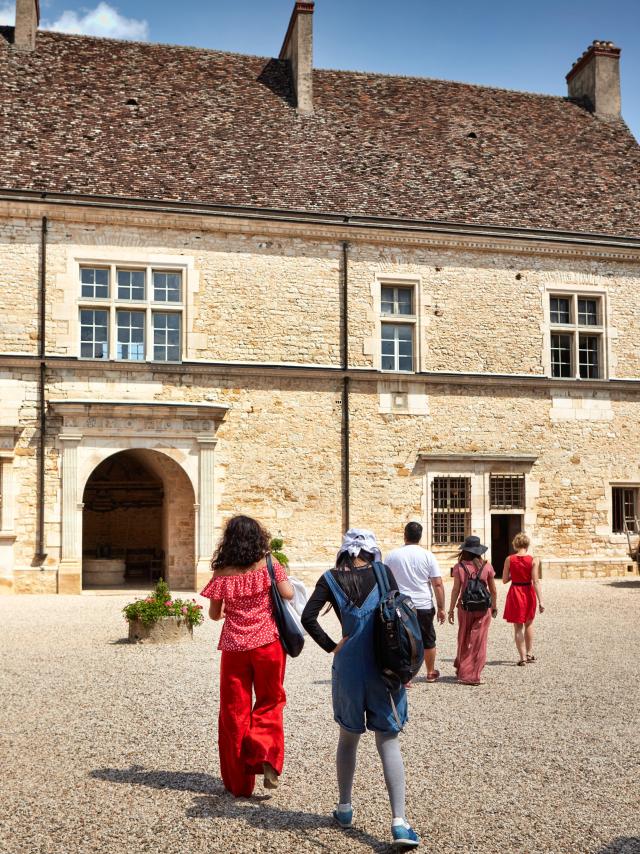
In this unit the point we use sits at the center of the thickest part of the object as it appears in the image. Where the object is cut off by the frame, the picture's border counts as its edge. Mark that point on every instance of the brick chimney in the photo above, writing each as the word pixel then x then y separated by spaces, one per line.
pixel 297 49
pixel 594 80
pixel 27 20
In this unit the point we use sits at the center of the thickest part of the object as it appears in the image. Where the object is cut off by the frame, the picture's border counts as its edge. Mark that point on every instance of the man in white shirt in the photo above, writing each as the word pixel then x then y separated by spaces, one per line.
pixel 418 575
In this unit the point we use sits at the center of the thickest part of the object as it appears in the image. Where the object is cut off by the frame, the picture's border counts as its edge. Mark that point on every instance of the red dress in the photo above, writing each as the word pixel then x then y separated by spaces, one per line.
pixel 521 601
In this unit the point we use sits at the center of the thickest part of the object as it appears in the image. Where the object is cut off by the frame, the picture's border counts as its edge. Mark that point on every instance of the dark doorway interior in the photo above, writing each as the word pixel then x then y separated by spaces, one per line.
pixel 504 527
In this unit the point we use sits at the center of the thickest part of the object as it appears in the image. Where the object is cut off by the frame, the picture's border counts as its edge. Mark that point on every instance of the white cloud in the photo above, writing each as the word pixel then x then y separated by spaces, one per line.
pixel 104 20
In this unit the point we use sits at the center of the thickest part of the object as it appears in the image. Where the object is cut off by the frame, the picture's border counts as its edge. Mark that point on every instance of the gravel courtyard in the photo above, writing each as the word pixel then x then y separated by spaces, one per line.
pixel 108 747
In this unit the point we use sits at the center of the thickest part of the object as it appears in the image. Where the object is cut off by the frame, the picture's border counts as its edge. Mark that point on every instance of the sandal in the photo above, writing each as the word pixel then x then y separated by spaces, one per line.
pixel 433 677
pixel 270 776
pixel 530 659
pixel 522 663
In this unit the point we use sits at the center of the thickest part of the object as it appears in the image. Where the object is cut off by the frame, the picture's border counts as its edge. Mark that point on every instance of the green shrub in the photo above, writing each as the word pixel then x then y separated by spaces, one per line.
pixel 276 545
pixel 160 604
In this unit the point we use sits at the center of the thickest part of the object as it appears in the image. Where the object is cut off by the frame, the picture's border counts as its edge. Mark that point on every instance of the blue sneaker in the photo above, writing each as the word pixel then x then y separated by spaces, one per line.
pixel 343 817
pixel 405 837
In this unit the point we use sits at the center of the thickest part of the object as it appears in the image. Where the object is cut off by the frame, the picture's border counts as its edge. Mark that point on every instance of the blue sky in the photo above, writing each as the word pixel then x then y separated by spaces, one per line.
pixel 517 44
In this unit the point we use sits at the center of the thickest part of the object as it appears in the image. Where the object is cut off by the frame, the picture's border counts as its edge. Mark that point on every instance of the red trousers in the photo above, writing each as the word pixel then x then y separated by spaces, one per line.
pixel 249 736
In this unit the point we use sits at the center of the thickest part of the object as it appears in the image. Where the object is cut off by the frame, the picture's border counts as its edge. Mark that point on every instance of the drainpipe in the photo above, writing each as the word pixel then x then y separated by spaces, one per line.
pixel 42 410
pixel 345 388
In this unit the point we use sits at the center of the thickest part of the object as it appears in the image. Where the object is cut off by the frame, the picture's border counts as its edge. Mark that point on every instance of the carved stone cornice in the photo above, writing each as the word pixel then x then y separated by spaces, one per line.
pixel 326 228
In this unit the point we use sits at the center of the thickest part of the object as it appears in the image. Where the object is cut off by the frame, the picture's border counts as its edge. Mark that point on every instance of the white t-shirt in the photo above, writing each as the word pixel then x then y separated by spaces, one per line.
pixel 412 567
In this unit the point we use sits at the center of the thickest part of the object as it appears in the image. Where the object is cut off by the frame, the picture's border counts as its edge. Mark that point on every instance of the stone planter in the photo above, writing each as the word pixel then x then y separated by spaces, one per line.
pixel 164 630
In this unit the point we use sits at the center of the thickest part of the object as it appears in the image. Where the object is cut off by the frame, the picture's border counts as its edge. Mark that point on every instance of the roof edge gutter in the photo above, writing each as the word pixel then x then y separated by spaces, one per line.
pixel 345 221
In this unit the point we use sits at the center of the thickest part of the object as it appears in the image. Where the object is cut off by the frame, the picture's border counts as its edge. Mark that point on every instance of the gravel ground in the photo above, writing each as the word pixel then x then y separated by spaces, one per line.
pixel 110 748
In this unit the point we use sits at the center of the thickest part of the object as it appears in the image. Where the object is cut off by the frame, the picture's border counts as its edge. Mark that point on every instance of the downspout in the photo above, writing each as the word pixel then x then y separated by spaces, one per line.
pixel 346 487
pixel 40 553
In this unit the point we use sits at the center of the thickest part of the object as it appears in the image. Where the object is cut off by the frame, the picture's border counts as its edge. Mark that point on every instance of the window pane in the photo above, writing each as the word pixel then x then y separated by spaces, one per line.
pixel 387 363
pixel 625 509
pixel 130 335
pixel 93 334
pixel 166 337
pixel 130 284
pixel 588 356
pixel 560 310
pixel 397 347
pixel 405 300
pixel 167 287
pixel 561 355
pixel 588 312
pixel 506 491
pixel 94 282
pixel 387 300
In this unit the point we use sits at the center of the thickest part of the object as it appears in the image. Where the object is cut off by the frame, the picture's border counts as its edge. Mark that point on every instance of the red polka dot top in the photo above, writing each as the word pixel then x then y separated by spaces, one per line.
pixel 248 616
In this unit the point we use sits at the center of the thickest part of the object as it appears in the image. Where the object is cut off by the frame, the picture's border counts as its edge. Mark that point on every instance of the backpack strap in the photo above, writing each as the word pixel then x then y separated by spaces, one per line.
pixel 381 577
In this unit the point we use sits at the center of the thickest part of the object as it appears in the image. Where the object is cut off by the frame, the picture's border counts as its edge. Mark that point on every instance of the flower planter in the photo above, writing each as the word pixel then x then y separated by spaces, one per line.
pixel 164 630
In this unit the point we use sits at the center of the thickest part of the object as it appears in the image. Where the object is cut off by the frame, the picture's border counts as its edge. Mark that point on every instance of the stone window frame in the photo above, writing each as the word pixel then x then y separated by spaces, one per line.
pixel 574 292
pixel 620 536
pixel 399 281
pixel 150 306
pixel 6 495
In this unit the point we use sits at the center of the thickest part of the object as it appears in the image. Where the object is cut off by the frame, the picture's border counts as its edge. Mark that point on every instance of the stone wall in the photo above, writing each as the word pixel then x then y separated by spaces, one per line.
pixel 274 296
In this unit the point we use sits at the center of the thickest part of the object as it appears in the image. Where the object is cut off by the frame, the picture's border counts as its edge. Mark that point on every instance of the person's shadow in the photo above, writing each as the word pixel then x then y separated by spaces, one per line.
pixel 622 845
pixel 214 801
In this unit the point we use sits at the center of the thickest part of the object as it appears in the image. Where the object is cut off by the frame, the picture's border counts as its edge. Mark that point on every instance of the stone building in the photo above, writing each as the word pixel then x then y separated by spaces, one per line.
pixel 236 284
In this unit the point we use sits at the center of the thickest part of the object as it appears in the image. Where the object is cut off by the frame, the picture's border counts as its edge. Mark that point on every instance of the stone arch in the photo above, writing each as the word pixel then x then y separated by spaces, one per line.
pixel 143 500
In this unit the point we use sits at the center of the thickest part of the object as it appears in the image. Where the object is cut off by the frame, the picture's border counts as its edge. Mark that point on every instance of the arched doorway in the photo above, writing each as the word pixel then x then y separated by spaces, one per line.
pixel 138 522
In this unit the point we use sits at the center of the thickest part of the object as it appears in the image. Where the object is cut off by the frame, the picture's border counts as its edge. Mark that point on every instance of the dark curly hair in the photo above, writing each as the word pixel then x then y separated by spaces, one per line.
pixel 244 541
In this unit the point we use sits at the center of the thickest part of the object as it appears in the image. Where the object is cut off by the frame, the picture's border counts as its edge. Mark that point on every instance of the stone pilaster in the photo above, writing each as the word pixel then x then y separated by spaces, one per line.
pixel 70 572
pixel 205 508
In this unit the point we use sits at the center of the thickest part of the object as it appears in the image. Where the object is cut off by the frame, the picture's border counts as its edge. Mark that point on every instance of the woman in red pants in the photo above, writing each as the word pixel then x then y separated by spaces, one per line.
pixel 250 735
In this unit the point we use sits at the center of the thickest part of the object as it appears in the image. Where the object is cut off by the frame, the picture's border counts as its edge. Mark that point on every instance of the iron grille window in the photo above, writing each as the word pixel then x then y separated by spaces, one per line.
pixel 450 510
pixel 507 491
pixel 625 509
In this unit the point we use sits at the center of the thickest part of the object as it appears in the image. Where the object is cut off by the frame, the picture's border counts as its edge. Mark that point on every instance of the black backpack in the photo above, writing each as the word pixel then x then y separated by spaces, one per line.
pixel 399 650
pixel 475 596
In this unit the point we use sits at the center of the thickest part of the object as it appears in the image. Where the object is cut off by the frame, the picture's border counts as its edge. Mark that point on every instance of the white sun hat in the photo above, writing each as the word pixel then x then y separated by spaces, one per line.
pixel 360 538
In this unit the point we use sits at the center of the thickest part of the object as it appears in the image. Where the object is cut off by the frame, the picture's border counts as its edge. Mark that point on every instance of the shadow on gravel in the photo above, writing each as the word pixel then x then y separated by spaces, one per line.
pixel 264 817
pixel 622 845
pixel 182 781
pixel 622 585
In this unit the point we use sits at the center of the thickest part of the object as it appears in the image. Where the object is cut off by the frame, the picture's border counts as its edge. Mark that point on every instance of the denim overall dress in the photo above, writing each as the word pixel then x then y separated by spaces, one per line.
pixel 359 695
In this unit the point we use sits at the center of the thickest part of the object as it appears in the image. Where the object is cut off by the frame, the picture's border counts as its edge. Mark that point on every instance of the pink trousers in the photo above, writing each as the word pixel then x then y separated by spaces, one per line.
pixel 473 630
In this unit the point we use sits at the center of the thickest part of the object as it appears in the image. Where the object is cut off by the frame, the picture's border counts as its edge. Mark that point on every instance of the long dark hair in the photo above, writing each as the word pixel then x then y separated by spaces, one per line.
pixel 351 580
pixel 478 561
pixel 244 542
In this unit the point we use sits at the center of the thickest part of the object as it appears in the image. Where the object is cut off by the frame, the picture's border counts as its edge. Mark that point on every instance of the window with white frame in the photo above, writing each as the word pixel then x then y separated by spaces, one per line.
pixel 625 507
pixel 398 327
pixel 130 313
pixel 577 336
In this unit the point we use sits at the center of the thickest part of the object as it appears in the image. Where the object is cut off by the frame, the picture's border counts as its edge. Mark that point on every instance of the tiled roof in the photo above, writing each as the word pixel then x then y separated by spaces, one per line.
pixel 96 116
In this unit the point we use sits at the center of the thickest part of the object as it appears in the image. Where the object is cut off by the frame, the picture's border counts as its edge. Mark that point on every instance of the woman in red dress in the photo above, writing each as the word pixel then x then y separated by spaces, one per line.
pixel 250 734
pixel 523 570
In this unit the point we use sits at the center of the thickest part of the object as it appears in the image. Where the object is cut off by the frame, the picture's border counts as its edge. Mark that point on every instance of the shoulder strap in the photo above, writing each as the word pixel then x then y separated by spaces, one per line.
pixel 381 577
pixel 270 568
pixel 335 588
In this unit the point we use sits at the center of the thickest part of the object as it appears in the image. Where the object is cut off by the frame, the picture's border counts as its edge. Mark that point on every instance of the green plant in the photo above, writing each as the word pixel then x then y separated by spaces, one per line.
pixel 160 604
pixel 276 545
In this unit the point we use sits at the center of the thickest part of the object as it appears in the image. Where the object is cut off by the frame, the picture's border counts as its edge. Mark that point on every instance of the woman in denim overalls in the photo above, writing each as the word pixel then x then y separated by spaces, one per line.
pixel 360 697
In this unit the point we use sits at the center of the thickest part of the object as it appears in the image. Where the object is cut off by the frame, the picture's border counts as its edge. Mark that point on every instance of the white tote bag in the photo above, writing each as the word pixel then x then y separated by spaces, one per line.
pixel 296 605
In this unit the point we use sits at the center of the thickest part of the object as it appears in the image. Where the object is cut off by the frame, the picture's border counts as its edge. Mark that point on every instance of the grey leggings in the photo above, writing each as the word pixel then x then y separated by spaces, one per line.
pixel 389 749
